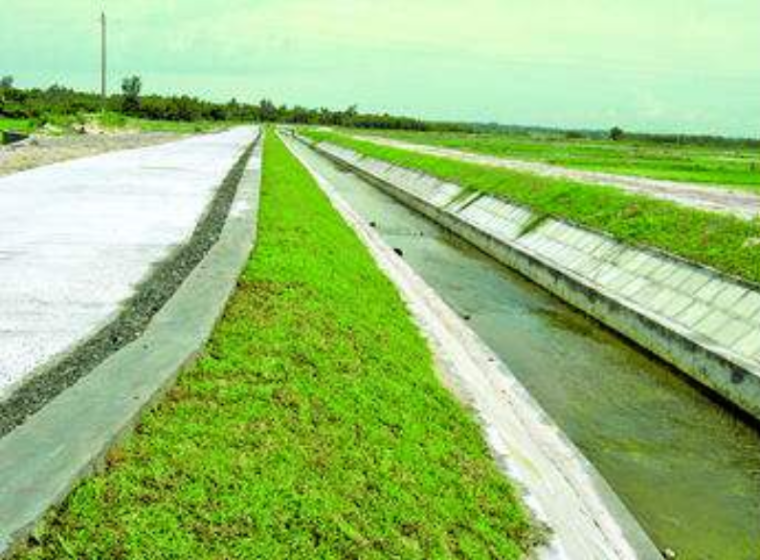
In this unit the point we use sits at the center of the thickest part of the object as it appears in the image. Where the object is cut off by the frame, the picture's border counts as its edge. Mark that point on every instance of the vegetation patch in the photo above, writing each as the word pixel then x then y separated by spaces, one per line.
pixel 716 240
pixel 313 425
pixel 62 125
pixel 720 162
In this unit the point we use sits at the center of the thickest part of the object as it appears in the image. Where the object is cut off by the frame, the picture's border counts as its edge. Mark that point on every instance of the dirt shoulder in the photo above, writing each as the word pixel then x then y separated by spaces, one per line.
pixel 44 150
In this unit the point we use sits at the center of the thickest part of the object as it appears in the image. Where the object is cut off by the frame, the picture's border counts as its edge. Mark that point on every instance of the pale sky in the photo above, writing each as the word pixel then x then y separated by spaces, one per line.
pixel 659 65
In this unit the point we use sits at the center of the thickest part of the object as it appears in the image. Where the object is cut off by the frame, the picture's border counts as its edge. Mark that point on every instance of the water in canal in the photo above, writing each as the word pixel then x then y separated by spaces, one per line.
pixel 686 466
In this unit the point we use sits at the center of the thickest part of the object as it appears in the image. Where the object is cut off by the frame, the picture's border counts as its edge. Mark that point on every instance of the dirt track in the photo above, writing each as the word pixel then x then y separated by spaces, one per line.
pixel 704 197
pixel 46 150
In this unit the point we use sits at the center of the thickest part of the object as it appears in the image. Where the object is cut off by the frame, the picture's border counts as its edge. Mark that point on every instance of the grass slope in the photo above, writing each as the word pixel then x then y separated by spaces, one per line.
pixel 734 167
pixel 59 125
pixel 313 426
pixel 726 243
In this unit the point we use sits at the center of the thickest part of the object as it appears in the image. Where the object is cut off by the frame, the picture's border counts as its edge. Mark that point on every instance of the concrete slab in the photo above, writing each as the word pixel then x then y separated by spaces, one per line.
pixel 78 237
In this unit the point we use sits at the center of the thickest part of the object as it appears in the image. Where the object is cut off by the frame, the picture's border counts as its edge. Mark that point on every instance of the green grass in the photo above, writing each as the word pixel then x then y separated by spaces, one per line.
pixel 737 167
pixel 179 127
pixel 721 241
pixel 313 426
pixel 117 121
pixel 25 126
pixel 56 125
pixel 67 124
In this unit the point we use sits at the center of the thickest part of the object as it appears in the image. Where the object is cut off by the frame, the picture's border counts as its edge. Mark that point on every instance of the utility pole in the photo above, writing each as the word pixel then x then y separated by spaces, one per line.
pixel 103 67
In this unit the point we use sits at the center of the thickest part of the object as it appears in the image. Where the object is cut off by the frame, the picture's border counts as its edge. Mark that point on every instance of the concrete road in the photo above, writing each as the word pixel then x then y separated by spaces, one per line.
pixel 713 198
pixel 76 238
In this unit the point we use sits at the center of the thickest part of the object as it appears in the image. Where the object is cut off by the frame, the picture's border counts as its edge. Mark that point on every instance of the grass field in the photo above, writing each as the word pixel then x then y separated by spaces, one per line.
pixel 726 243
pixel 313 426
pixel 736 167
pixel 24 126
pixel 61 125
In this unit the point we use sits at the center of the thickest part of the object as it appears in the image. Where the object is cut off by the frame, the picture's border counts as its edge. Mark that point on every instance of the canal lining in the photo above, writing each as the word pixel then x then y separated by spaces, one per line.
pixel 136 312
pixel 557 483
pixel 716 367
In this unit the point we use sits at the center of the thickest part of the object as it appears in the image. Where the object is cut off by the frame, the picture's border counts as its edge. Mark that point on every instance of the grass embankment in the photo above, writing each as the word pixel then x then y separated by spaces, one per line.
pixel 313 425
pixel 726 243
pixel 24 126
pixel 734 167
pixel 61 125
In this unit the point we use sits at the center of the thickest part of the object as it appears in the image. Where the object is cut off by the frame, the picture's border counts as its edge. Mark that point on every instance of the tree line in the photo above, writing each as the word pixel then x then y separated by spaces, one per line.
pixel 39 103
pixel 56 100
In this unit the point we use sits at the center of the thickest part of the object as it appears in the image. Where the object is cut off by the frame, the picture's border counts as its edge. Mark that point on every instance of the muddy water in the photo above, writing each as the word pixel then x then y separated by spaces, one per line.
pixel 686 466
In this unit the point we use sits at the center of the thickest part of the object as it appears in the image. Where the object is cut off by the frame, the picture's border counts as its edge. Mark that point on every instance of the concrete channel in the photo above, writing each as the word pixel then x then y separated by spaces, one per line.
pixel 703 322
pixel 50 451
pixel 686 466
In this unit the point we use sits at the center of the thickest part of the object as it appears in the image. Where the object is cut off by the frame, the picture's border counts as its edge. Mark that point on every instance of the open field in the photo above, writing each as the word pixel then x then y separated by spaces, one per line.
pixel 736 167
pixel 314 424
pixel 702 196
pixel 57 125
pixel 723 242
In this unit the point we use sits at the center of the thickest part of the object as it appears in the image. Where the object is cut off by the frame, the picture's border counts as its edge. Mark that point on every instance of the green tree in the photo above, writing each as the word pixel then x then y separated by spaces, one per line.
pixel 616 133
pixel 131 88
pixel 6 85
pixel 349 115
pixel 267 111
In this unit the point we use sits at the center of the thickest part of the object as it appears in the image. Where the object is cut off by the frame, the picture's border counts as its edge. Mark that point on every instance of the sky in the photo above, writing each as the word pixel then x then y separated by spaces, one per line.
pixel 646 65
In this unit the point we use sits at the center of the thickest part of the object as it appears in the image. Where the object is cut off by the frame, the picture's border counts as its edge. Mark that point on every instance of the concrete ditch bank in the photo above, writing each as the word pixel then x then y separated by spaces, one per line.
pixel 559 485
pixel 704 196
pixel 42 460
pixel 703 322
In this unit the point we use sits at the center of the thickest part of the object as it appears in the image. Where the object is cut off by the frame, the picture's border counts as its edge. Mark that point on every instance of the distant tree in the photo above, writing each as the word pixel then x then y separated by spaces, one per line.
pixel 6 85
pixel 130 89
pixel 232 109
pixel 267 111
pixel 616 133
pixel 349 115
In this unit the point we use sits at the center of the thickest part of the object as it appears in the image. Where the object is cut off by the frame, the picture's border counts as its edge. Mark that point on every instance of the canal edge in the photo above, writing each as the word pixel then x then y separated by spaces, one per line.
pixel 559 485
pixel 717 367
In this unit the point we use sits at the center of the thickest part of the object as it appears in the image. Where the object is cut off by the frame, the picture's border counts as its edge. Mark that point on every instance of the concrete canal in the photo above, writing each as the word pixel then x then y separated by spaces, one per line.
pixel 686 466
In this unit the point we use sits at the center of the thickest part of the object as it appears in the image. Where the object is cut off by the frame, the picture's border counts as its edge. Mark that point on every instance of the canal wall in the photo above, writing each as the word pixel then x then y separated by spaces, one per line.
pixel 705 323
